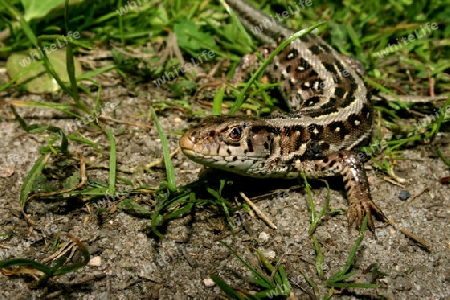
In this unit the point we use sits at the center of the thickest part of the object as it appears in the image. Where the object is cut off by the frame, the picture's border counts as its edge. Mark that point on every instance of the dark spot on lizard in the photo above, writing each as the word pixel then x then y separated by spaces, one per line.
pixel 314 49
pixel 324 146
pixel 330 68
pixel 275 130
pixel 353 87
pixel 313 73
pixel 292 54
pixel 349 100
pixel 315 130
pixel 365 111
pixel 354 120
pixel 304 64
pixel 332 163
pixel 249 145
pixel 271 147
pixel 338 127
pixel 339 92
pixel 326 48
pixel 312 101
pixel 287 131
pixel 340 66
pixel 305 38
pixel 313 150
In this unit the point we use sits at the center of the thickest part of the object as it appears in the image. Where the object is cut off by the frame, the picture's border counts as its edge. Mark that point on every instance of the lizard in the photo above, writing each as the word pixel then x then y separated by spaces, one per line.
pixel 330 115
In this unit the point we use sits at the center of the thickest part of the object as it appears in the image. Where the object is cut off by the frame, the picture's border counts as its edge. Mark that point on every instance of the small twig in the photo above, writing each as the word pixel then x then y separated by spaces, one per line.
pixel 412 98
pixel 390 180
pixel 159 161
pixel 409 234
pixel 258 211
pixel 419 193
pixel 64 248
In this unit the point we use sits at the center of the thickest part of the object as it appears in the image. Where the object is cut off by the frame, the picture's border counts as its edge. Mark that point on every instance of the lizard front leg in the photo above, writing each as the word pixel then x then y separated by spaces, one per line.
pixel 347 164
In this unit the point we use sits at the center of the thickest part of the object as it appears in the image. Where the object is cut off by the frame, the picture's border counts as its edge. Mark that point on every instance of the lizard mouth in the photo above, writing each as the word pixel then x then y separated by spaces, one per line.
pixel 186 144
pixel 188 152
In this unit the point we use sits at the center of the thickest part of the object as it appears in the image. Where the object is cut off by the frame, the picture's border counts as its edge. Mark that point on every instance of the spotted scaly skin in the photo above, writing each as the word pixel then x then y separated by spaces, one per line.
pixel 331 115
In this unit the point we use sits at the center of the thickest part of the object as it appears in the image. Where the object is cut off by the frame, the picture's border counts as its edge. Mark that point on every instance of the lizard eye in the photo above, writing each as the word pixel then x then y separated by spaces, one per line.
pixel 235 133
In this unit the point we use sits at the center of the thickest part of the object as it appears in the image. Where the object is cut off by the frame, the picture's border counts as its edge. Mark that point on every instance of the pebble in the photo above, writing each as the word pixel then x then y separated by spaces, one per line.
pixel 264 236
pixel 404 195
pixel 96 261
pixel 208 282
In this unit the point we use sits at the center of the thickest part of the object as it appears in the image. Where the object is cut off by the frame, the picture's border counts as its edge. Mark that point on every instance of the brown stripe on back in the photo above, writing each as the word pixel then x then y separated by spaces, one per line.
pixel 296 139
pixel 285 140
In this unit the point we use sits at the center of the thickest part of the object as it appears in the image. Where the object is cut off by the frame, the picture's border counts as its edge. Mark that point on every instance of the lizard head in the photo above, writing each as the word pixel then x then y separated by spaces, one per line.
pixel 226 142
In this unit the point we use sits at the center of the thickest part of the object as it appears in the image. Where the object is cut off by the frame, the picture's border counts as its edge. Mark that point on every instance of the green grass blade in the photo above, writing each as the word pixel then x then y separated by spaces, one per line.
pixel 227 289
pixel 36 128
pixel 180 211
pixel 82 140
pixel 284 280
pixel 319 257
pixel 343 273
pixel 311 283
pixel 112 163
pixel 69 60
pixel 317 219
pixel 262 280
pixel 170 171
pixel 17 262
pixel 217 102
pixel 224 204
pixel 31 176
pixel 236 20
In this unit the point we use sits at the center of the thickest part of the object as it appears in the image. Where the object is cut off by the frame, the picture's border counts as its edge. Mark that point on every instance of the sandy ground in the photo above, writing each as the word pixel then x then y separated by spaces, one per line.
pixel 130 263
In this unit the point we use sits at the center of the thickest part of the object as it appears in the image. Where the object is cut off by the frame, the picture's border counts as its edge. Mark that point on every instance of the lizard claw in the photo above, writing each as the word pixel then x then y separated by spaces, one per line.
pixel 361 208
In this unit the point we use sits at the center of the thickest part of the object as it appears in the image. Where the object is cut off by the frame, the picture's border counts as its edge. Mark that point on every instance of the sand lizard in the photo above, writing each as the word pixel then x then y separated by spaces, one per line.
pixel 331 114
